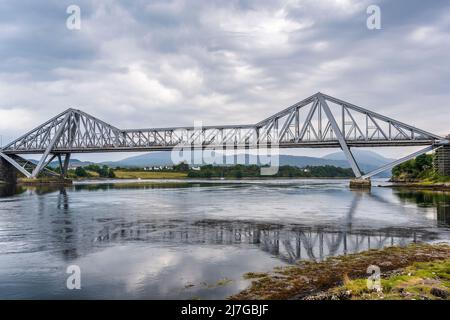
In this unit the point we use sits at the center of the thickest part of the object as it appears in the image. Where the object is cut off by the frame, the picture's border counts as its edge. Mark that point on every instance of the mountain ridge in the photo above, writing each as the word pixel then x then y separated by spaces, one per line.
pixel 367 160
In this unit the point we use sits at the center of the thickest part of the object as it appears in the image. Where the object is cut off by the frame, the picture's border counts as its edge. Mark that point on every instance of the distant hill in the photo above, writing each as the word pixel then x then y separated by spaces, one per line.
pixel 164 158
pixel 143 160
pixel 367 160
pixel 72 163
pixel 362 156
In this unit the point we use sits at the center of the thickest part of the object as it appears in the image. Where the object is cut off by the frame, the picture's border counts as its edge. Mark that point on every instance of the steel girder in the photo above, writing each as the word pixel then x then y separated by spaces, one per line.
pixel 320 121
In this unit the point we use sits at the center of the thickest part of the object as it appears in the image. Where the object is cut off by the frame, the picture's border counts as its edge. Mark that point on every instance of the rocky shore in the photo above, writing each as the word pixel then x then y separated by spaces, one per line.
pixel 417 271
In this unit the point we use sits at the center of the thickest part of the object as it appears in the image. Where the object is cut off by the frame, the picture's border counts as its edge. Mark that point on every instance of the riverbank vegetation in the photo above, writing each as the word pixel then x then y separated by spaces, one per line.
pixel 254 171
pixel 129 174
pixel 419 281
pixel 90 171
pixel 182 170
pixel 417 271
pixel 418 170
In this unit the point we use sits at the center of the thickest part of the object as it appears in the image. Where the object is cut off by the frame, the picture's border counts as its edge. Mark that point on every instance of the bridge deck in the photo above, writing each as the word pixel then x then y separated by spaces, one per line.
pixel 149 148
pixel 319 121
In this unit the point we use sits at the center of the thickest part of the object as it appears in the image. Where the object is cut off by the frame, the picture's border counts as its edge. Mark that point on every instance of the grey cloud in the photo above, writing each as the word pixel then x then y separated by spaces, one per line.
pixel 162 63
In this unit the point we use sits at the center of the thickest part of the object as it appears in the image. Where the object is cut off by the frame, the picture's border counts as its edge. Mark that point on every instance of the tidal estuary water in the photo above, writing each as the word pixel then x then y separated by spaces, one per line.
pixel 194 239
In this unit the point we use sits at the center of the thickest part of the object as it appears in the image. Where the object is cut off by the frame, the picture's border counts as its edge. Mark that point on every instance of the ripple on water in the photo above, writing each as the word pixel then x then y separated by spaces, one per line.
pixel 184 239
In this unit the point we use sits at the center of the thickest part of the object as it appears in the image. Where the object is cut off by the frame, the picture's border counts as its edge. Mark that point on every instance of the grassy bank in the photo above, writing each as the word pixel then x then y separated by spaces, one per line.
pixel 344 277
pixel 422 185
pixel 182 170
pixel 420 281
pixel 44 181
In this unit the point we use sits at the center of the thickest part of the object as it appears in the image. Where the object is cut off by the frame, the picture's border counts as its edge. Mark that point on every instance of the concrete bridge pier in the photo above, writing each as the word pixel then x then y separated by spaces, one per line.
pixel 8 174
pixel 360 184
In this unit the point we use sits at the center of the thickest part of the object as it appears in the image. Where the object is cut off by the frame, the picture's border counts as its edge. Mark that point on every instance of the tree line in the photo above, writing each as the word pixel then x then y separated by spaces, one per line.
pixel 419 168
pixel 253 171
pixel 210 171
pixel 87 171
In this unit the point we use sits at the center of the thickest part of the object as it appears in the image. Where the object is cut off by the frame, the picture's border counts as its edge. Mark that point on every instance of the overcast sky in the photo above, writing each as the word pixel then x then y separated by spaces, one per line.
pixel 168 63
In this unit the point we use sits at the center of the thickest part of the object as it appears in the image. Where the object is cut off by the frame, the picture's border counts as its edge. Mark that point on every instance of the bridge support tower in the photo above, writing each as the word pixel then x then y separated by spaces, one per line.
pixel 360 184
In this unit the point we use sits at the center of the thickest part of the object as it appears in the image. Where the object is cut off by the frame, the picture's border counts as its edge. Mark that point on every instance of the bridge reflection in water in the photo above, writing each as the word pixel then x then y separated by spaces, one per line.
pixel 287 242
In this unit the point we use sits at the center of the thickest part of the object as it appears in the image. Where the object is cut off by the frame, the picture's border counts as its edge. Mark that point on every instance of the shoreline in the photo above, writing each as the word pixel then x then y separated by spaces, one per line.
pixel 438 187
pixel 68 182
pixel 405 274
pixel 444 187
pixel 44 182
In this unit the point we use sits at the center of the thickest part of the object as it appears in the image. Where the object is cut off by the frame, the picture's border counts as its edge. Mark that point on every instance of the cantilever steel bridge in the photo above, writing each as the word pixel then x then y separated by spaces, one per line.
pixel 320 121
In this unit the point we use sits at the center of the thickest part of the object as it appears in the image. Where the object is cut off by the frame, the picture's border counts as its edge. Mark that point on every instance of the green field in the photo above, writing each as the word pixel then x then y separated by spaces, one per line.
pixel 125 174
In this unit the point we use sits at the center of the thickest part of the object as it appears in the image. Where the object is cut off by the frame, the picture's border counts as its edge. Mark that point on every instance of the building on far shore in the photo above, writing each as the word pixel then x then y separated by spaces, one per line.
pixel 158 168
pixel 442 160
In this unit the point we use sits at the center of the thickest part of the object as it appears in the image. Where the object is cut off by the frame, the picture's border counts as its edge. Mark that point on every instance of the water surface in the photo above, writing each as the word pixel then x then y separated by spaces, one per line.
pixel 194 239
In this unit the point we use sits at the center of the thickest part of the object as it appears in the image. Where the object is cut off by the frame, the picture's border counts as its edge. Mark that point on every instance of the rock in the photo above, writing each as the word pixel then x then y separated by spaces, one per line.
pixel 321 296
pixel 327 295
pixel 386 264
pixel 406 294
pixel 431 282
pixel 305 279
pixel 440 293
pixel 344 295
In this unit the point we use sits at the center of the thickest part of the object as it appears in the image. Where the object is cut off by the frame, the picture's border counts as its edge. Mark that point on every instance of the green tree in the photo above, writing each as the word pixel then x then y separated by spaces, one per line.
pixel 424 162
pixel 81 172
pixel 103 171
pixel 92 167
pixel 181 167
pixel 111 173
pixel 419 168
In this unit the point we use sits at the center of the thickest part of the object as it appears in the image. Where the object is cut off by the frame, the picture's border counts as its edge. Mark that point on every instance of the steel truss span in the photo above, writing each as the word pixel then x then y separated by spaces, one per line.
pixel 320 121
